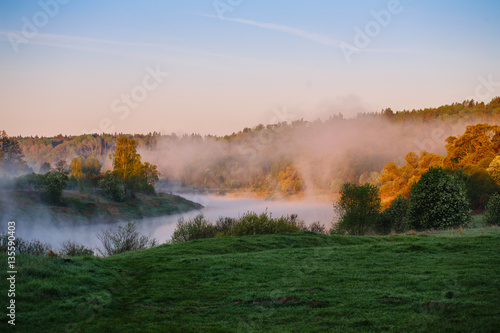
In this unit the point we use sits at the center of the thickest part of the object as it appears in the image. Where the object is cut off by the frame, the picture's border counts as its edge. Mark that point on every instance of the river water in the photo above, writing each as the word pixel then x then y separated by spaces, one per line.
pixel 162 227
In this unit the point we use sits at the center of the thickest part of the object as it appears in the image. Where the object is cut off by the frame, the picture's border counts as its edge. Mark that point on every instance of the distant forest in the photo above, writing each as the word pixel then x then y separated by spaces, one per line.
pixel 285 158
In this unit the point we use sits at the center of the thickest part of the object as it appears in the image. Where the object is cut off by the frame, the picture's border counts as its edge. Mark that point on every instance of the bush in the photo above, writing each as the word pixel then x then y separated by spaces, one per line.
pixel 493 210
pixel 29 182
pixel 122 239
pixel 317 228
pixel 112 188
pixel 32 247
pixel 394 217
pixel 480 187
pixel 437 201
pixel 263 224
pixel 53 185
pixel 73 249
pixel 249 224
pixel 196 228
pixel 358 209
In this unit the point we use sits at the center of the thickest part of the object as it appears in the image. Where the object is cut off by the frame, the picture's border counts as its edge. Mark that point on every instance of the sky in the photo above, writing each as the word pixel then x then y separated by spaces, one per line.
pixel 217 66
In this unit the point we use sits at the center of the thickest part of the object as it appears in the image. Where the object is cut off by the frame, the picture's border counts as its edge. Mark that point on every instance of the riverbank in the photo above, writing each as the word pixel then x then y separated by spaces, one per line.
pixel 87 208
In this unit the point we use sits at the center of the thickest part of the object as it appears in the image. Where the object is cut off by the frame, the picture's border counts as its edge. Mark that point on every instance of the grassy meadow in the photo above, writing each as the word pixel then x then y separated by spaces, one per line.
pixel 303 282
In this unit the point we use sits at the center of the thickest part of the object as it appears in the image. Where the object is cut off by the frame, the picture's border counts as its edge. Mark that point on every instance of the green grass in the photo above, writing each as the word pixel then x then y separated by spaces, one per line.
pixel 303 282
pixel 84 208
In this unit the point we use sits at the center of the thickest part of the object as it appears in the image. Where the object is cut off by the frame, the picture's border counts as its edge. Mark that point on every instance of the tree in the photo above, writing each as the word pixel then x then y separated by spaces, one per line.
pixel 11 157
pixel 493 210
pixel 127 167
pixel 61 166
pixel 494 169
pixel 54 183
pixel 437 201
pixel 358 209
pixel 111 187
pixel 44 168
pixel 477 143
pixel 395 214
pixel 91 167
pixel 76 166
pixel 126 161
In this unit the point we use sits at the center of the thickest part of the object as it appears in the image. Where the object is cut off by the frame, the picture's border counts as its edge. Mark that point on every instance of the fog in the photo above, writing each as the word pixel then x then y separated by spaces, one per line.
pixel 162 228
pixel 325 154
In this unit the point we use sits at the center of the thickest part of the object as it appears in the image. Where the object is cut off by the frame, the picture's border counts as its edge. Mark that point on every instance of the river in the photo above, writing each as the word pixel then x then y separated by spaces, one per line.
pixel 162 227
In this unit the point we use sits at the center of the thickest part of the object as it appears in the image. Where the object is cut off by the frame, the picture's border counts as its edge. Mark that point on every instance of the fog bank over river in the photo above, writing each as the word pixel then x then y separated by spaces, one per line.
pixel 162 227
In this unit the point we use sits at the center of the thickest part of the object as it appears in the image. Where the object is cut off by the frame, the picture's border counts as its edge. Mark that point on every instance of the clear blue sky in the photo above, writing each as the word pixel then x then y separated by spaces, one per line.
pixel 74 73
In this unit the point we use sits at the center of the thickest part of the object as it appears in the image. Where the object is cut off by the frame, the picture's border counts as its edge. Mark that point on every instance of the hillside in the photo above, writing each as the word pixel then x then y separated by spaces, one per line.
pixel 302 282
pixel 82 208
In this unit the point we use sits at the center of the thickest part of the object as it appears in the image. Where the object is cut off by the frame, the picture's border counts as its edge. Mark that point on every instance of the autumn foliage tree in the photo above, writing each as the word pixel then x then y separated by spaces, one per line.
pixel 127 167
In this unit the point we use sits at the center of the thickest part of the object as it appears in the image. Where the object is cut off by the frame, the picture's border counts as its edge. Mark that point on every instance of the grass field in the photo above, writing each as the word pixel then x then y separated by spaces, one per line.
pixel 429 282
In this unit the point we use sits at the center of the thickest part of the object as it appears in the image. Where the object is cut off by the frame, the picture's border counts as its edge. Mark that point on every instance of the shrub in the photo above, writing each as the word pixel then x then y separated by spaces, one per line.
pixel 317 228
pixel 53 185
pixel 394 217
pixel 196 228
pixel 29 182
pixel 493 210
pixel 437 201
pixel 249 224
pixel 112 188
pixel 358 209
pixel 32 247
pixel 480 187
pixel 223 225
pixel 253 224
pixel 122 239
pixel 73 249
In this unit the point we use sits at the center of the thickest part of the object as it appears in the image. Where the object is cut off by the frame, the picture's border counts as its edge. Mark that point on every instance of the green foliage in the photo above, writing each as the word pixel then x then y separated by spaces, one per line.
pixel 197 228
pixel 123 239
pixel 357 209
pixel 394 217
pixel 32 247
pixel 53 185
pixel 248 224
pixel 480 186
pixel 112 188
pixel 493 210
pixel 50 185
pixel 253 224
pixel 72 249
pixel 438 201
pixel 29 182
pixel 127 167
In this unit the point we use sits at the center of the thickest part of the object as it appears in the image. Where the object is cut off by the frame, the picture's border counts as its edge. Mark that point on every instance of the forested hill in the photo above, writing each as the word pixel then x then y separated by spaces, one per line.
pixel 283 157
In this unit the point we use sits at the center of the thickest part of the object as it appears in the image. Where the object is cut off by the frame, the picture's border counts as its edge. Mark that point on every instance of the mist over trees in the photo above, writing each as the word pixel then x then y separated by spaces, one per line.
pixel 288 157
